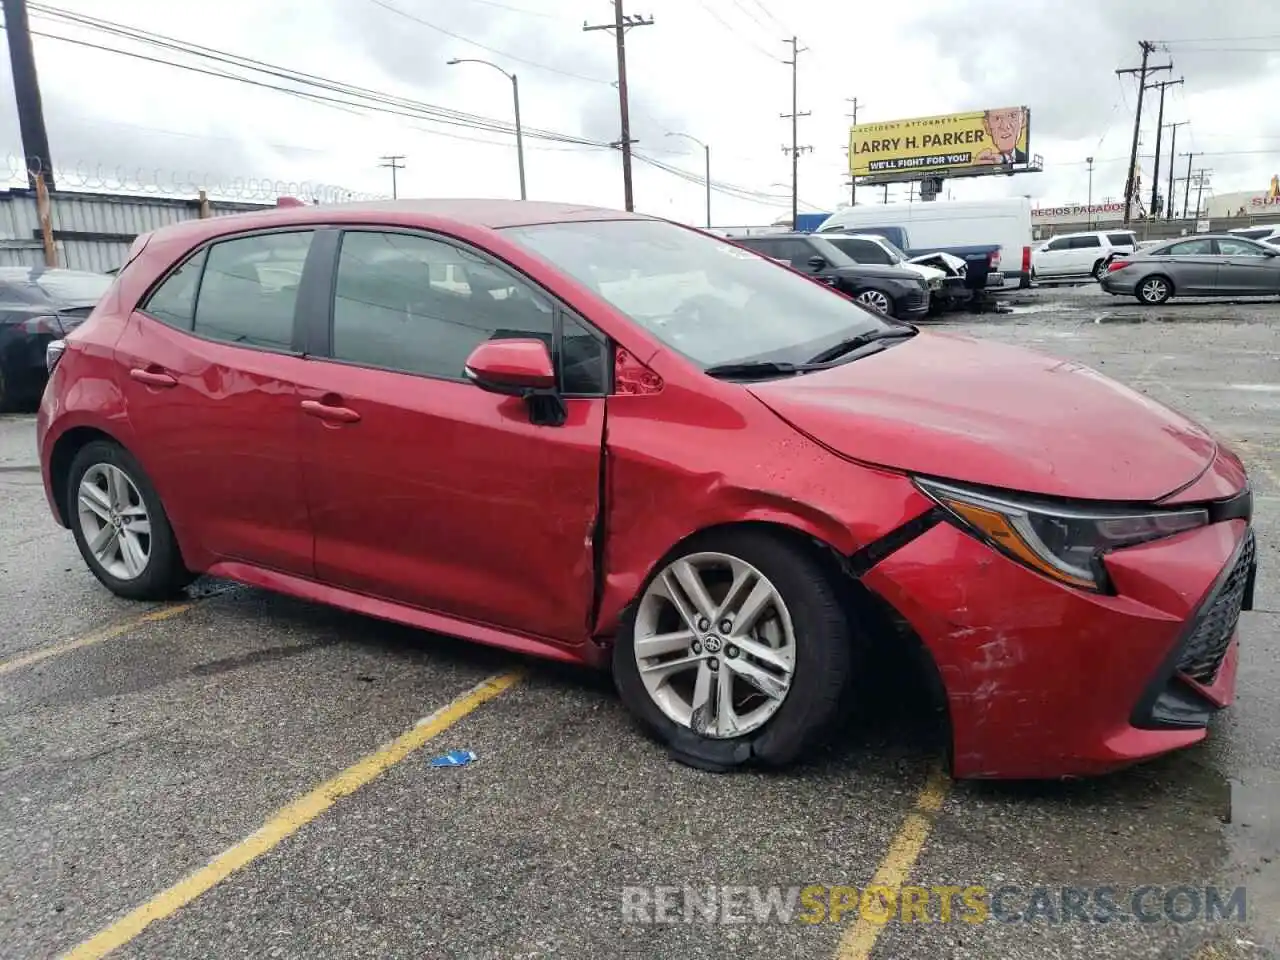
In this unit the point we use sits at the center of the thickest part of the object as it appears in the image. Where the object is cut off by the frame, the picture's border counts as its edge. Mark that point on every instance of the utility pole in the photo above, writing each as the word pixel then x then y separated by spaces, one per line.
pixel 1147 48
pixel 795 149
pixel 1173 146
pixel 886 193
pixel 1201 175
pixel 1088 207
pixel 26 91
pixel 393 163
pixel 853 121
pixel 1186 195
pixel 1155 171
pixel 621 23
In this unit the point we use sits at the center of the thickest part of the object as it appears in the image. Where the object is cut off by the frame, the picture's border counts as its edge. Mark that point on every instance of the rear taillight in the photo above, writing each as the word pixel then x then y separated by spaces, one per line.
pixel 993 260
pixel 1115 265
pixel 48 326
pixel 1026 259
pixel 53 352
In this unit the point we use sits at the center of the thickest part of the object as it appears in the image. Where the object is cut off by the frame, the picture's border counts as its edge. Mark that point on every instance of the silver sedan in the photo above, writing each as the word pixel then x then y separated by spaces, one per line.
pixel 1208 265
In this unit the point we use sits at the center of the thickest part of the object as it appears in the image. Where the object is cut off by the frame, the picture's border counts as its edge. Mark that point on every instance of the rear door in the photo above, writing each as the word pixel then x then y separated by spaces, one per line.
pixel 1085 251
pixel 211 362
pixel 1245 268
pixel 424 489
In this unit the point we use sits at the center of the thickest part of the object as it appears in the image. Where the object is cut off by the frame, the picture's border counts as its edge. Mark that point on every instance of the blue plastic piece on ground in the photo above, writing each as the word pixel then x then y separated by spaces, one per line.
pixel 454 758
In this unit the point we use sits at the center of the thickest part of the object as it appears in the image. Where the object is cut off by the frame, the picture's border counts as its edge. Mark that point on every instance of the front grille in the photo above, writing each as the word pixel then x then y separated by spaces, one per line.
pixel 1203 651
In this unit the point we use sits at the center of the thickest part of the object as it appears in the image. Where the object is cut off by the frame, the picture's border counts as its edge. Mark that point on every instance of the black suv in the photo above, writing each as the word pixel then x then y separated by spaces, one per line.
pixel 890 290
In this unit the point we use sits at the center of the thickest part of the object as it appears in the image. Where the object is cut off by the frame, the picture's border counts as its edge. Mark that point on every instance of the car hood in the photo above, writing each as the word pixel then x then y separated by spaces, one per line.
pixel 925 273
pixel 958 408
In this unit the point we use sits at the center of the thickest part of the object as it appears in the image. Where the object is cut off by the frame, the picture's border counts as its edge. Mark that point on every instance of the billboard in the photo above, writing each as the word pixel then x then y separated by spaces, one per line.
pixel 953 141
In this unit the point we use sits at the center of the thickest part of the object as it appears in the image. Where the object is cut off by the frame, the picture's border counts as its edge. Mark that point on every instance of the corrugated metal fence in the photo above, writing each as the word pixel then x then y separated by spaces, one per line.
pixel 92 231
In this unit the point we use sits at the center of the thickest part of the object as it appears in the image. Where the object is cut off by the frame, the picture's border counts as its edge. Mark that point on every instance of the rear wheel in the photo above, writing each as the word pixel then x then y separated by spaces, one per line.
pixel 1154 290
pixel 120 525
pixel 1099 269
pixel 738 649
pixel 877 300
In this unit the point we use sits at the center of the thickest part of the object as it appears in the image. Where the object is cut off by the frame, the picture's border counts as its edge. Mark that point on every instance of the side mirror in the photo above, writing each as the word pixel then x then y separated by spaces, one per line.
pixel 519 368
pixel 816 262
pixel 513 367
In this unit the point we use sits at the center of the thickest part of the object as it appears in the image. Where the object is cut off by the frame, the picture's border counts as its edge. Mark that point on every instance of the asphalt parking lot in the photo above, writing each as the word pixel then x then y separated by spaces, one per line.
pixel 244 775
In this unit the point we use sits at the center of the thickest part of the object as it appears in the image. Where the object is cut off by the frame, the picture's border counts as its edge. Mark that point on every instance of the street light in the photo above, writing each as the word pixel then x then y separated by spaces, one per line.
pixel 515 93
pixel 1088 208
pixel 707 152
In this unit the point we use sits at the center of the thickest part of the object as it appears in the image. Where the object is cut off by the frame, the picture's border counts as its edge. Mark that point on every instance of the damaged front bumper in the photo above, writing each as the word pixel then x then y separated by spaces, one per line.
pixel 1047 681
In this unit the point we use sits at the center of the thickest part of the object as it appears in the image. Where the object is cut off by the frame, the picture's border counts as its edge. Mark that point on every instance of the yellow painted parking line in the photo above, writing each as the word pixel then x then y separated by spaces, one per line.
pixel 288 820
pixel 860 939
pixel 98 636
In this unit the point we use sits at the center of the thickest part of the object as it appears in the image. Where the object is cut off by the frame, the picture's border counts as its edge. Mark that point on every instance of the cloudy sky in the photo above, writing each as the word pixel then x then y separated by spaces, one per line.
pixel 708 68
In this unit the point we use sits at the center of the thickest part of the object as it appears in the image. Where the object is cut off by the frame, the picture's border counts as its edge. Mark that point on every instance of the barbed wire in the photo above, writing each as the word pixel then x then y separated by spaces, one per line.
pixel 153 181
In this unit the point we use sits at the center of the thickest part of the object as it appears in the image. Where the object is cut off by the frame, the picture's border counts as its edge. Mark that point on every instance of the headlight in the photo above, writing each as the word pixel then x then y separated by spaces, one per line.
pixel 1061 542
pixel 935 283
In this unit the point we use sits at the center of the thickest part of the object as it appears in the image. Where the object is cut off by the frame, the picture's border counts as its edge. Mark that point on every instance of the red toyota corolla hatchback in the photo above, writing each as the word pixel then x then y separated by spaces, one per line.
pixel 609 439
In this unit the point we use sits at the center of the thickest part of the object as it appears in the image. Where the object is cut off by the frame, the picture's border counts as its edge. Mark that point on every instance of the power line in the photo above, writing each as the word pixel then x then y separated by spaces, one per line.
pixel 386 103
pixel 475 43
pixel 741 36
pixel 349 98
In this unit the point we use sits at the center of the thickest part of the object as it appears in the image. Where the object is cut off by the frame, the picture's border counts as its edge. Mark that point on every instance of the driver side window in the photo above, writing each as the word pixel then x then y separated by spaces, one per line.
pixel 418 305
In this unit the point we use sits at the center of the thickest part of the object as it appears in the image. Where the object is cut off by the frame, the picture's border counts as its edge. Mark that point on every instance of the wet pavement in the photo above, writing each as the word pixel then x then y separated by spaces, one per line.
pixel 142 748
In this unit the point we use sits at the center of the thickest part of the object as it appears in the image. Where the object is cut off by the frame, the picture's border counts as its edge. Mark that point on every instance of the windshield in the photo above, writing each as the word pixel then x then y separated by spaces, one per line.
pixel 708 299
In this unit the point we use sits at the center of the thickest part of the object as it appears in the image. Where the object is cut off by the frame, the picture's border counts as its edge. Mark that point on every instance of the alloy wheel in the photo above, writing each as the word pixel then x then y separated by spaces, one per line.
pixel 714 645
pixel 114 521
pixel 1154 290
pixel 875 300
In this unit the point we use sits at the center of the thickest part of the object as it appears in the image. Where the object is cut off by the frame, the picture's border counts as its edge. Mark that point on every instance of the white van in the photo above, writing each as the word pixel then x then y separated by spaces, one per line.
pixel 950 226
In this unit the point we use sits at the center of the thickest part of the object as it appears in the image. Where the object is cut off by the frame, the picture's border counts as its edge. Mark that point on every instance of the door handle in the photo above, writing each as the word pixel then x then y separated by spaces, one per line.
pixel 324 411
pixel 152 378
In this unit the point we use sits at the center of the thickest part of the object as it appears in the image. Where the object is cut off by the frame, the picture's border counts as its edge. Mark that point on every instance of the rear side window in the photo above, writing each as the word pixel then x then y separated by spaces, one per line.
pixel 1122 239
pixel 1078 243
pixel 250 288
pixel 864 251
pixel 174 302
pixel 1190 248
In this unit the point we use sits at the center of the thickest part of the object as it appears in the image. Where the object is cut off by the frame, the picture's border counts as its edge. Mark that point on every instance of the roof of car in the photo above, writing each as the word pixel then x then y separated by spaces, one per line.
pixel 492 214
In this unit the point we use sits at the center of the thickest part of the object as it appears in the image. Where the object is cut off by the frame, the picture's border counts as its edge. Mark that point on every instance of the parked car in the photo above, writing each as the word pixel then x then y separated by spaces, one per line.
pixel 621 441
pixel 1263 233
pixel 946 287
pixel 993 237
pixel 38 305
pixel 1075 255
pixel 892 290
pixel 1207 265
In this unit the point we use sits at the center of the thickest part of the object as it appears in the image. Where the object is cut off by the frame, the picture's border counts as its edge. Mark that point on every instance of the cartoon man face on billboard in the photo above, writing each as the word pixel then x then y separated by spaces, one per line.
pixel 1005 127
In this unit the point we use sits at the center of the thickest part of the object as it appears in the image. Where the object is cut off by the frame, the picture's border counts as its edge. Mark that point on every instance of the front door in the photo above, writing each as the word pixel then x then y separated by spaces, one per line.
pixel 425 489
pixel 1193 265
pixel 1247 269
pixel 211 386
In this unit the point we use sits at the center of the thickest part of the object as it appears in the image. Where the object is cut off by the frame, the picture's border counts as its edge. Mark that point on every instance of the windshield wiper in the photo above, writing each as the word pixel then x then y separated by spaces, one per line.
pixel 756 369
pixel 861 340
